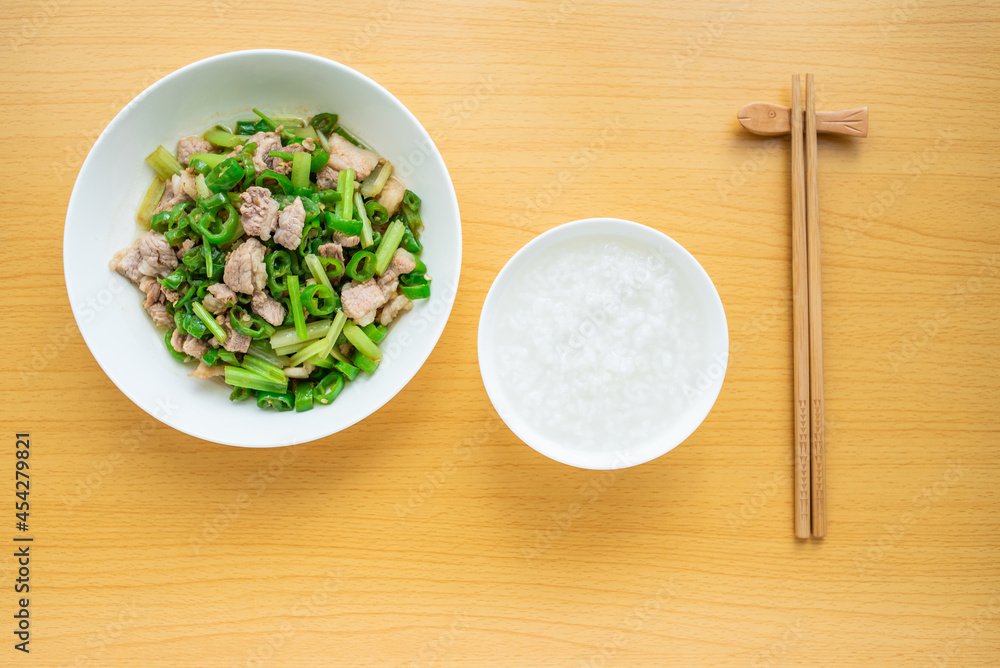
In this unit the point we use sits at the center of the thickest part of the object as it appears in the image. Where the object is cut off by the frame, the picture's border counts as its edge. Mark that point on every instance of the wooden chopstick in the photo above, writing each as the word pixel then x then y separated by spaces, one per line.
pixel 818 445
pixel 800 320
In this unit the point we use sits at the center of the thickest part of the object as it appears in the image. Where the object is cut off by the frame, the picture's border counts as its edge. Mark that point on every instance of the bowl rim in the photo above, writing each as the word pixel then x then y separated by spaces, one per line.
pixel 423 139
pixel 602 460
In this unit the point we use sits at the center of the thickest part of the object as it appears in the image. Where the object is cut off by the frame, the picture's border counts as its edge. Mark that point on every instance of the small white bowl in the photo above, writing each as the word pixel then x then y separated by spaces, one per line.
pixel 101 219
pixel 703 393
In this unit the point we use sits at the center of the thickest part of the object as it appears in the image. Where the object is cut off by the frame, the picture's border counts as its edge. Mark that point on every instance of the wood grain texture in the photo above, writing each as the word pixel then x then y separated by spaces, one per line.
pixel 428 535
pixel 817 444
pixel 800 320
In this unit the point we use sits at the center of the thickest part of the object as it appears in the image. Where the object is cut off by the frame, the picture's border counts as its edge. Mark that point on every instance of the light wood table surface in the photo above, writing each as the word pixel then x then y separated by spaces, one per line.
pixel 428 534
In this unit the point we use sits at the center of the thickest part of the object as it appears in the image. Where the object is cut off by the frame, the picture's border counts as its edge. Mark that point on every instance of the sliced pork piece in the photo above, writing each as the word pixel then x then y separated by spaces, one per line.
pixel 173 194
pixel 392 195
pixel 220 297
pixel 326 178
pixel 158 312
pixel 155 302
pixel 186 245
pixel 206 372
pixel 155 292
pixel 266 142
pixel 158 258
pixel 258 212
pixel 402 262
pixel 344 154
pixel 268 308
pixel 346 241
pixel 188 146
pixel 245 271
pixel 235 342
pixel 126 262
pixel 188 344
pixel 285 166
pixel 360 301
pixel 398 304
pixel 331 250
pixel 290 222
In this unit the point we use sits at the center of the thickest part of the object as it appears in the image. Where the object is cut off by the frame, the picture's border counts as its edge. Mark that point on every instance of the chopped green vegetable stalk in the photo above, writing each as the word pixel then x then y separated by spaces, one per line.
pixel 331 336
pixel 258 350
pixel 349 370
pixel 375 332
pixel 288 336
pixel 301 166
pixel 345 187
pixel 149 201
pixel 295 304
pixel 373 185
pixel 281 154
pixel 308 351
pixel 206 249
pixel 361 342
pixel 209 321
pixel 271 125
pixel 210 159
pixel 390 242
pixel 265 369
pixel 164 163
pixel 363 363
pixel 287 351
pixel 239 377
pixel 315 268
pixel 223 138
pixel 366 225
pixel 203 191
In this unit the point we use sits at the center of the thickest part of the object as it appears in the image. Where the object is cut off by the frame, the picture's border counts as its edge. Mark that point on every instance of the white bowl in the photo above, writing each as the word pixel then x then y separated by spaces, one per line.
pixel 701 395
pixel 101 219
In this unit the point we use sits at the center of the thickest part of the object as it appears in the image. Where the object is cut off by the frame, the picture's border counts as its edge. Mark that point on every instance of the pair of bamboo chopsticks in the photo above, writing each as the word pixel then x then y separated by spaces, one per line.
pixel 807 327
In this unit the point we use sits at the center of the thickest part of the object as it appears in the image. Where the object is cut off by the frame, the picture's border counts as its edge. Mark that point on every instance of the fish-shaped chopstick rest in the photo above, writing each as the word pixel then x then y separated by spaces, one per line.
pixel 764 118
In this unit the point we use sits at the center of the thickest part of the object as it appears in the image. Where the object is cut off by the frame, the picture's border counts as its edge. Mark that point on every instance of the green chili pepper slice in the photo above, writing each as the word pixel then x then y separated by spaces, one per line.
pixel 319 299
pixel 303 396
pixel 279 401
pixel 361 266
pixel 329 388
